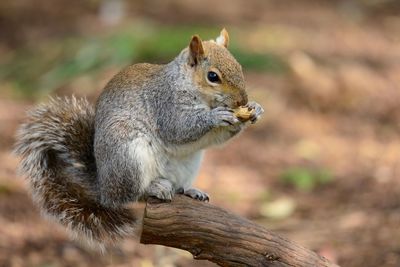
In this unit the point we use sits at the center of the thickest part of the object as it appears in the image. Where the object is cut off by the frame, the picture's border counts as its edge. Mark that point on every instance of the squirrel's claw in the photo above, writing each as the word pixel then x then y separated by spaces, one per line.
pixel 223 116
pixel 258 111
pixel 196 194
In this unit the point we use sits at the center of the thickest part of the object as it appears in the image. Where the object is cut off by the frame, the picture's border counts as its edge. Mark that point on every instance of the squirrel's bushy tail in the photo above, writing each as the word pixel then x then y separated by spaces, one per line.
pixel 56 146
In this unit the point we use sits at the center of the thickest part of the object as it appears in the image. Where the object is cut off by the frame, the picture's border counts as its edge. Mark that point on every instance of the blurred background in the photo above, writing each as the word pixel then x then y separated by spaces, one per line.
pixel 321 168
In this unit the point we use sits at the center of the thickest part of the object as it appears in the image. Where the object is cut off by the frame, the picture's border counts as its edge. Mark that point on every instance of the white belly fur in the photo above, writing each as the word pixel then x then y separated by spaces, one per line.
pixel 182 171
pixel 154 162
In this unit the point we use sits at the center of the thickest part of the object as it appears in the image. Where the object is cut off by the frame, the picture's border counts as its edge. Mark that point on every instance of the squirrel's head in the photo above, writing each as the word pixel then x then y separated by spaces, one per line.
pixel 217 74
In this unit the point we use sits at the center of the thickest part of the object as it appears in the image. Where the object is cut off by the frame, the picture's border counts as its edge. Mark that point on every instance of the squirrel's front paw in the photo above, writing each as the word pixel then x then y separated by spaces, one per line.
pixel 258 111
pixel 195 194
pixel 160 188
pixel 223 116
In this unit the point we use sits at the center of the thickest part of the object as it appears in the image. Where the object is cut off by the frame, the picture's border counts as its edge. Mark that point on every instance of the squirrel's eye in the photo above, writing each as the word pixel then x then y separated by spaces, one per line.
pixel 213 77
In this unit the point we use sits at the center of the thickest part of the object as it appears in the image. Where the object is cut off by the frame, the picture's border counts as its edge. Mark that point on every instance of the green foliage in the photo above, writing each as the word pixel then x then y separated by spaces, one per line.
pixel 37 69
pixel 168 42
pixel 40 68
pixel 306 179
pixel 164 43
pixel 259 62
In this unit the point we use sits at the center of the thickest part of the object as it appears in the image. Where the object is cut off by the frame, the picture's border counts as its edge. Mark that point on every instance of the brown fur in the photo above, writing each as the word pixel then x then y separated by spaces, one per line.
pixel 217 58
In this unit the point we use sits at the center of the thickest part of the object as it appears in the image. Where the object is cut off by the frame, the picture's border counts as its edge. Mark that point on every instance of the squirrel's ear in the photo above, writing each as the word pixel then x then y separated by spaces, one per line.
pixel 223 38
pixel 196 50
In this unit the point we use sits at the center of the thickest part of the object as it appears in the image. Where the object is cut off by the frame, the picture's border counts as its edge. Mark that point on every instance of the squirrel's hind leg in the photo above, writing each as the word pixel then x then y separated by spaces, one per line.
pixel 160 188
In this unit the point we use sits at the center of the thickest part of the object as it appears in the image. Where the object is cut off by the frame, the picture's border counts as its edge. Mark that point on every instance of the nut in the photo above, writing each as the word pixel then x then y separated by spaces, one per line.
pixel 244 113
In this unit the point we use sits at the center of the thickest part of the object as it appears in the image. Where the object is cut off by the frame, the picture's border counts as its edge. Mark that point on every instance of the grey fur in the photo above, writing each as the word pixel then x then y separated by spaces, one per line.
pixel 146 138
pixel 56 147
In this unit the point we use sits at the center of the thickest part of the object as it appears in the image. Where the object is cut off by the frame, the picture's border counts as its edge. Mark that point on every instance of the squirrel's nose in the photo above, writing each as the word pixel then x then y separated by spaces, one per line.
pixel 243 100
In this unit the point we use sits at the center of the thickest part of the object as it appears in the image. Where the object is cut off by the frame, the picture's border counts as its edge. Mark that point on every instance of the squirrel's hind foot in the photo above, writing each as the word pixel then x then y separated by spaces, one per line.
pixel 195 194
pixel 161 188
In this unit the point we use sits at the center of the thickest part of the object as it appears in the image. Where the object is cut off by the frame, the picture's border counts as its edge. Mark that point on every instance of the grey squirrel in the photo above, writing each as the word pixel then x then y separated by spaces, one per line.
pixel 144 138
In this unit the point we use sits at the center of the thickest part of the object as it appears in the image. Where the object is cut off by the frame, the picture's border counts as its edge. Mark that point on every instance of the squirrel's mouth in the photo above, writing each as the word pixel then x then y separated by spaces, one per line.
pixel 226 104
pixel 223 101
pixel 235 101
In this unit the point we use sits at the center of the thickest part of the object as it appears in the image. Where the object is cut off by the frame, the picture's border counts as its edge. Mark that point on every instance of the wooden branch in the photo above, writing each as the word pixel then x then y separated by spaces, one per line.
pixel 214 234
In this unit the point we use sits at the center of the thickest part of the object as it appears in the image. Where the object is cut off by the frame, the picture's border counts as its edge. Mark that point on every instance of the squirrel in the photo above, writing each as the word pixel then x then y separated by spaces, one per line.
pixel 145 137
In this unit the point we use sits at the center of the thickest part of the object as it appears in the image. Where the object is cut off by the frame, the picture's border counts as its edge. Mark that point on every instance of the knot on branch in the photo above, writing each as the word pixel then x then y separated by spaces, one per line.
pixel 271 257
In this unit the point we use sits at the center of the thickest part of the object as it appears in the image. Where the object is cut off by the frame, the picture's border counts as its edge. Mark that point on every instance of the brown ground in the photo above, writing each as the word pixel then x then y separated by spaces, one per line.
pixel 337 109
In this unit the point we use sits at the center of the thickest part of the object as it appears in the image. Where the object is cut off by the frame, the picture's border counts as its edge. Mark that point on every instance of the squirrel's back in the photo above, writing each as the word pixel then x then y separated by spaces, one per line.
pixel 56 146
pixel 133 77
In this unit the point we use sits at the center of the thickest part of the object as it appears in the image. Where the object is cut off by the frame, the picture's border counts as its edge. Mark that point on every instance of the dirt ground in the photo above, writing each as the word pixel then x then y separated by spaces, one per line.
pixel 334 110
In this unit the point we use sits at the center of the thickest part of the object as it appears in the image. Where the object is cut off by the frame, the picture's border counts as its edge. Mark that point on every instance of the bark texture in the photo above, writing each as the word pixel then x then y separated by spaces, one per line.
pixel 214 234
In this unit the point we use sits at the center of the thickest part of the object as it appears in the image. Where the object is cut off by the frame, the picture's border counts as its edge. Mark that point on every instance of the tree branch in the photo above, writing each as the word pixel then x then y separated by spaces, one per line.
pixel 214 234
